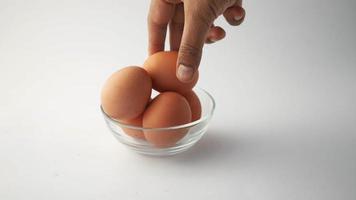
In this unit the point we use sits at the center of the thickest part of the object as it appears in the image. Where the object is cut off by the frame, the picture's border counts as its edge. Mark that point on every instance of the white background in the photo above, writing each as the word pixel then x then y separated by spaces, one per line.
pixel 284 83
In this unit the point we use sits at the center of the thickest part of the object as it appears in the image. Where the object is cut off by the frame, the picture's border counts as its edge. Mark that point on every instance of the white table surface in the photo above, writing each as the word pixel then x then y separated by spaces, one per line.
pixel 284 83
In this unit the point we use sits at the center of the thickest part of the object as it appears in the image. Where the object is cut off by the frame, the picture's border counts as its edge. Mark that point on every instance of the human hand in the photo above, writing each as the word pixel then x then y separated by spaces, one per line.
pixel 190 26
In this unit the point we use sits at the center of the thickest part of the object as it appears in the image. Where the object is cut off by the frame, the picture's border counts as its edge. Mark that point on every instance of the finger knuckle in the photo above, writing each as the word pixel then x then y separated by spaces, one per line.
pixel 206 11
pixel 173 1
pixel 190 52
pixel 213 9
pixel 200 17
pixel 216 7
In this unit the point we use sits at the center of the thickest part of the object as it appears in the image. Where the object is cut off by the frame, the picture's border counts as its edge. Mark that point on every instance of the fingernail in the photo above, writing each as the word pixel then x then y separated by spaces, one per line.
pixel 184 73
pixel 238 17
pixel 209 41
pixel 213 39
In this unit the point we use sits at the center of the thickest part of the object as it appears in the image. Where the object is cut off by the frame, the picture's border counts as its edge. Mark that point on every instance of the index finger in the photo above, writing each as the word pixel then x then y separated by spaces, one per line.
pixel 160 14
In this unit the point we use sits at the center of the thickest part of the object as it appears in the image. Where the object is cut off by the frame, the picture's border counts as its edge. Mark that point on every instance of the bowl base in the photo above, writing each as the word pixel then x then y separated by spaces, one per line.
pixel 143 147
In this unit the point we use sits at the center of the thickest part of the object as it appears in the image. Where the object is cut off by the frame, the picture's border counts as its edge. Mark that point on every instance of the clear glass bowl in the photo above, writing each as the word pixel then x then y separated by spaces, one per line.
pixel 190 133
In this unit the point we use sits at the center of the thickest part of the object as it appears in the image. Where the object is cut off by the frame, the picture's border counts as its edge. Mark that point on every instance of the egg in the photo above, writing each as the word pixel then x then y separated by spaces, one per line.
pixel 194 103
pixel 161 67
pixel 126 93
pixel 166 110
pixel 134 132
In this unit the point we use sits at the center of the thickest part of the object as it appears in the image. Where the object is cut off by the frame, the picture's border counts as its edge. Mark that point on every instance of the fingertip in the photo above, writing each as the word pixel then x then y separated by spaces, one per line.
pixel 185 73
pixel 215 34
pixel 188 62
pixel 152 49
pixel 235 15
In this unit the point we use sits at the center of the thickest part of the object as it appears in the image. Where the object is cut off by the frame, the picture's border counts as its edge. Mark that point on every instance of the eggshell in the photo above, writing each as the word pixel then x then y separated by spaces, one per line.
pixel 134 132
pixel 166 110
pixel 126 93
pixel 194 104
pixel 161 67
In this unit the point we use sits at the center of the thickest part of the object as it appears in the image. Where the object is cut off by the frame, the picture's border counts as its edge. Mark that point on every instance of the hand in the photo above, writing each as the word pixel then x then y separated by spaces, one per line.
pixel 190 25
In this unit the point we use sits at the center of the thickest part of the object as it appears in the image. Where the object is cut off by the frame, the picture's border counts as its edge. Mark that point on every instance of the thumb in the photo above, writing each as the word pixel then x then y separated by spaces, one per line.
pixel 196 27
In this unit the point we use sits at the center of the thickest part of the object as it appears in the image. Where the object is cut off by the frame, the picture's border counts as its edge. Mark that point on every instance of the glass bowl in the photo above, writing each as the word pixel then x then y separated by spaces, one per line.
pixel 189 133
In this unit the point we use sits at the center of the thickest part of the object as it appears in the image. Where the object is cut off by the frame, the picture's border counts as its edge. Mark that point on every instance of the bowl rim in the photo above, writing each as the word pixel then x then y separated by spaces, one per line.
pixel 207 117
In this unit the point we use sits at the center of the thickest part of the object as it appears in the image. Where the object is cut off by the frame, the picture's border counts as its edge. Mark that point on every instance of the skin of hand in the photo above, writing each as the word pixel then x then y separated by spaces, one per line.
pixel 190 25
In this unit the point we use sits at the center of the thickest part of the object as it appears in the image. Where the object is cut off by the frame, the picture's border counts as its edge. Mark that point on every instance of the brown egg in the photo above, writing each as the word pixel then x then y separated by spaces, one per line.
pixel 166 110
pixel 161 67
pixel 194 104
pixel 133 132
pixel 126 93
